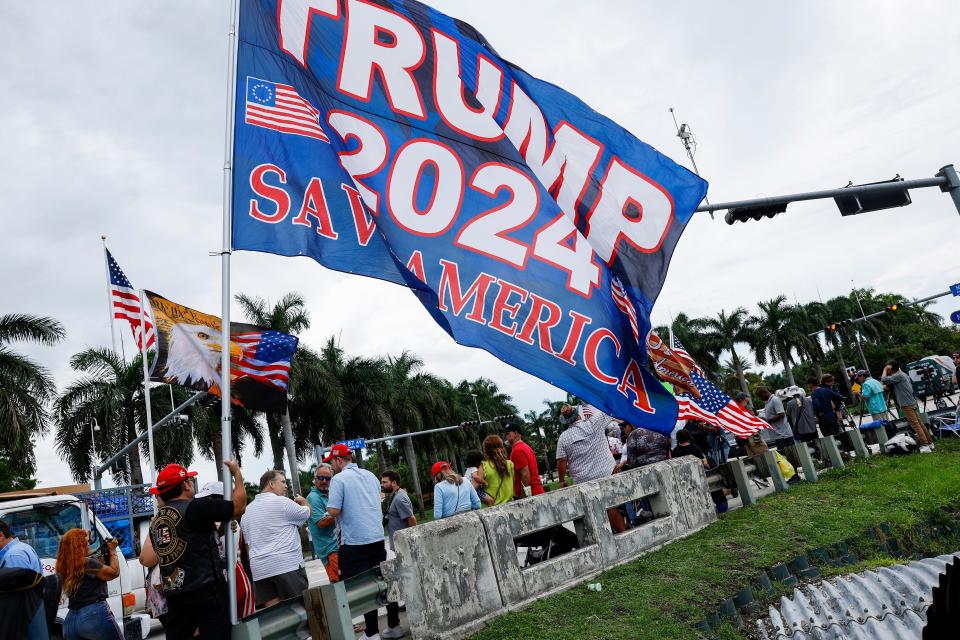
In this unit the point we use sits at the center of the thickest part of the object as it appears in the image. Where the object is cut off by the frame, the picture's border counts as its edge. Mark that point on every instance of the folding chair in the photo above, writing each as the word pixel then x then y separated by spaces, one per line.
pixel 945 425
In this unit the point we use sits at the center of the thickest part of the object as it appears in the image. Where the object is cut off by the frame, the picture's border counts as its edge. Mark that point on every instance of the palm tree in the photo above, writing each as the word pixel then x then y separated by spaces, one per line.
pixel 110 391
pixel 25 387
pixel 288 315
pixel 723 332
pixel 777 333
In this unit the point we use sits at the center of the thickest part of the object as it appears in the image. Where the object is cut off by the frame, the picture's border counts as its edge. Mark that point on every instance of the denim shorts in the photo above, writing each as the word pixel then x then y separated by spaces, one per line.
pixel 92 622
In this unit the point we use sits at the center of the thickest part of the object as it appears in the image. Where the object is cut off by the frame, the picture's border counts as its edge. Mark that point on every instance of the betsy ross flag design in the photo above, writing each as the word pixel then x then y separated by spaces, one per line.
pixel 126 302
pixel 714 406
pixel 279 107
pixel 266 356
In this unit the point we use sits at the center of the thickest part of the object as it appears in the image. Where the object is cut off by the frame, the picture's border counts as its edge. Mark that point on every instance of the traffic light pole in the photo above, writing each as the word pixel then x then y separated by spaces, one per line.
pixel 946 179
pixel 884 312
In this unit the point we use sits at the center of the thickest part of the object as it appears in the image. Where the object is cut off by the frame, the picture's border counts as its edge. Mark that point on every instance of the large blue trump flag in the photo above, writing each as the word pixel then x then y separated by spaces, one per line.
pixel 390 140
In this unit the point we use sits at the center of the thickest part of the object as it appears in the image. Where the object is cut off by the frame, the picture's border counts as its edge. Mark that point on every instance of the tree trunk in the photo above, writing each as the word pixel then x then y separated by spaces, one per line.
pixel 740 376
pixel 291 452
pixel 136 470
pixel 276 442
pixel 817 370
pixel 843 371
pixel 787 367
pixel 414 473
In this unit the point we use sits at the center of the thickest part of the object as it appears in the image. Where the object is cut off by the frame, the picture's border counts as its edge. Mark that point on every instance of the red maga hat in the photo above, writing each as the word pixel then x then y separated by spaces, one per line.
pixel 438 467
pixel 338 451
pixel 170 476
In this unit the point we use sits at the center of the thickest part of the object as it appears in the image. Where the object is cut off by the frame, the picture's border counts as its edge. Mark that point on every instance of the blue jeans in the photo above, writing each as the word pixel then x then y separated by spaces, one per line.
pixel 92 622
pixel 37 630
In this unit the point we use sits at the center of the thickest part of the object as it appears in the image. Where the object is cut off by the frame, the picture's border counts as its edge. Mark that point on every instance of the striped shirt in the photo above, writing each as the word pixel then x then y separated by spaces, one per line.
pixel 584 445
pixel 270 526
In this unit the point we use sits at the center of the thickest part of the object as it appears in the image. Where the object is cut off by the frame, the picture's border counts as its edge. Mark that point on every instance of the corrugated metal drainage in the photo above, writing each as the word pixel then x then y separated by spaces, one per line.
pixel 890 602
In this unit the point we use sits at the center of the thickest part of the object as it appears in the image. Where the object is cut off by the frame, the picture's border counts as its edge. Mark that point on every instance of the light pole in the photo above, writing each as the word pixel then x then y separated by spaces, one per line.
pixel 863 316
pixel 479 419
pixel 476 406
pixel 93 445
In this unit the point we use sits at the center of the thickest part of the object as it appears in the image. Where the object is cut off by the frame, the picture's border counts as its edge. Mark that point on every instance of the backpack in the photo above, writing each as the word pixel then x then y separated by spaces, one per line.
pixel 901 444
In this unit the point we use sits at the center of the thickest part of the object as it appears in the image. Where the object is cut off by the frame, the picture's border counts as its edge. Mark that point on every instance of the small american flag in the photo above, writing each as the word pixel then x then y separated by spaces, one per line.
pixel 714 406
pixel 266 356
pixel 622 300
pixel 279 107
pixel 126 303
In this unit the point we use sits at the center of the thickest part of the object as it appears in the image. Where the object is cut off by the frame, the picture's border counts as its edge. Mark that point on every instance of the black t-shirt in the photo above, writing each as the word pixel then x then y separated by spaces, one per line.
pixel 687 450
pixel 91 588
pixel 202 513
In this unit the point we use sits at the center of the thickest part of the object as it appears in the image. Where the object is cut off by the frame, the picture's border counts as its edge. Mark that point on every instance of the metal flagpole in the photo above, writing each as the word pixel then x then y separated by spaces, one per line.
pixel 146 394
pixel 106 267
pixel 226 437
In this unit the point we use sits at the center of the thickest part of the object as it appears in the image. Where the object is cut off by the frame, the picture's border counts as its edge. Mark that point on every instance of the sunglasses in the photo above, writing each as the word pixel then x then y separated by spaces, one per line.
pixel 322 478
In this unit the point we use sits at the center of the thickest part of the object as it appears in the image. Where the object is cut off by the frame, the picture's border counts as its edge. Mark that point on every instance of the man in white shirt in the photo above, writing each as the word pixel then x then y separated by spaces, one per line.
pixel 270 527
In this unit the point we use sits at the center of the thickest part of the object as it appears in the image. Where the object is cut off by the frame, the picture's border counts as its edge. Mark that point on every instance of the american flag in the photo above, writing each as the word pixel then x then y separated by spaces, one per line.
pixel 279 107
pixel 714 406
pixel 620 298
pixel 126 303
pixel 266 356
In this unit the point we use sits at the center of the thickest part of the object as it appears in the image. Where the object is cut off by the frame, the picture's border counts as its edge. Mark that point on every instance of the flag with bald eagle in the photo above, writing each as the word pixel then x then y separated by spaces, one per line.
pixel 188 354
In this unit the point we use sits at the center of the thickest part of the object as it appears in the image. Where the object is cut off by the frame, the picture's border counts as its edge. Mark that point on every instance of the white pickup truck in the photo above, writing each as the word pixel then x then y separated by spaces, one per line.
pixel 41 522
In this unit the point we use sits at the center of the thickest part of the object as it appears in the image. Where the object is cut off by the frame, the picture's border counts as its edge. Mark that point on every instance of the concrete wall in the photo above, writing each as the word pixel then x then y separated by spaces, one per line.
pixel 456 574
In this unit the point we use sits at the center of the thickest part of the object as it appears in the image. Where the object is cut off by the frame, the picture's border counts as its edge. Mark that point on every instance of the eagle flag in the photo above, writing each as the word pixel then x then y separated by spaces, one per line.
pixel 188 354
pixel 705 401
pixel 506 204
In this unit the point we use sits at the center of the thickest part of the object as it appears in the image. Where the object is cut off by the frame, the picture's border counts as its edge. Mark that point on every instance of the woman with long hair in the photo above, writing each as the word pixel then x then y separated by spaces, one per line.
pixel 84 580
pixel 496 471
pixel 451 494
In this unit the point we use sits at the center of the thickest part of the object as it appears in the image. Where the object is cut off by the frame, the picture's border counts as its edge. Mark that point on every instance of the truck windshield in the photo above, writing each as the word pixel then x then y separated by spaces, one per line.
pixel 42 526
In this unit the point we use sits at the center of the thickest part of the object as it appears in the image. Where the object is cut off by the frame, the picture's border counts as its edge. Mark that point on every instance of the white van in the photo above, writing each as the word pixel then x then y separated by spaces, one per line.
pixel 41 522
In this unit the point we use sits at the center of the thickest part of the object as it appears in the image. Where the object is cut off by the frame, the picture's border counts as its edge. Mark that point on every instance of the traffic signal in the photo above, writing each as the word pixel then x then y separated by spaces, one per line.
pixel 743 214
pixel 892 308
pixel 866 202
pixel 832 327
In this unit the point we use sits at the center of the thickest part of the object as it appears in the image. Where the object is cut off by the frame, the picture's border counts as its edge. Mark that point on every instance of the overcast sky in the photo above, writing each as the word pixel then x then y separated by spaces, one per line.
pixel 112 122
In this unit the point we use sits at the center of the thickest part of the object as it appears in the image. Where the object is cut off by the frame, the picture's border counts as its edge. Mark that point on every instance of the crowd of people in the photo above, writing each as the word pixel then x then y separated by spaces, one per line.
pixel 351 514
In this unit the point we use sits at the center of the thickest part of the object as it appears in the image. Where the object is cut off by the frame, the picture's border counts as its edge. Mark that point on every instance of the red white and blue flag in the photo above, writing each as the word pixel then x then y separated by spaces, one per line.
pixel 266 356
pixel 277 106
pixel 524 221
pixel 126 303
pixel 713 405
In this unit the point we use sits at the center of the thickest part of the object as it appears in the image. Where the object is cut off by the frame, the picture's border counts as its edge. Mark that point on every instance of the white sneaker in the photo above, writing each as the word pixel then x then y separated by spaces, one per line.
pixel 926 449
pixel 393 632
pixel 364 636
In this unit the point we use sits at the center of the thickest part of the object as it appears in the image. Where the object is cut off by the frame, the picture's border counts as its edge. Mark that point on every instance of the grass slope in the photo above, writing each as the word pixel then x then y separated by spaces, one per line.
pixel 661 594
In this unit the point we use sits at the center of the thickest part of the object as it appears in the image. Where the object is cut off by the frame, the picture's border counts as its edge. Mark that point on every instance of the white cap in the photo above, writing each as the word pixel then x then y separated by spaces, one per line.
pixel 210 488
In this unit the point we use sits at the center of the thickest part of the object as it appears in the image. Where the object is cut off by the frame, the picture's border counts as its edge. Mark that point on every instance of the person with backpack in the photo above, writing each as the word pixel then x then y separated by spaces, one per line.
pixel 899 382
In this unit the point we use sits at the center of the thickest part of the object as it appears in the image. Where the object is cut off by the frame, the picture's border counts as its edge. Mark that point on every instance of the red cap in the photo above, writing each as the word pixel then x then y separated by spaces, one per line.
pixel 170 476
pixel 338 451
pixel 438 467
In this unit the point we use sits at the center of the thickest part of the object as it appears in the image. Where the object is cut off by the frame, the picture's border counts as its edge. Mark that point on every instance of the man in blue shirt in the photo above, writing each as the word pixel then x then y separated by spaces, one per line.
pixel 827 404
pixel 323 528
pixel 355 502
pixel 19 555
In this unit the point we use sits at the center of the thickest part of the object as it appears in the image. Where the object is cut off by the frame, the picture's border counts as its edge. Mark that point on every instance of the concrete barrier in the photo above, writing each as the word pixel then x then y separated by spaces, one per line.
pixel 443 570
pixel 457 573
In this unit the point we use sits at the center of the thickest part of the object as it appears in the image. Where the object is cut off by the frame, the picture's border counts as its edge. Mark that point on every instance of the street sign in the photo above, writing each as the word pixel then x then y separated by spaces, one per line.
pixel 955 289
pixel 356 443
pixel 955 316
